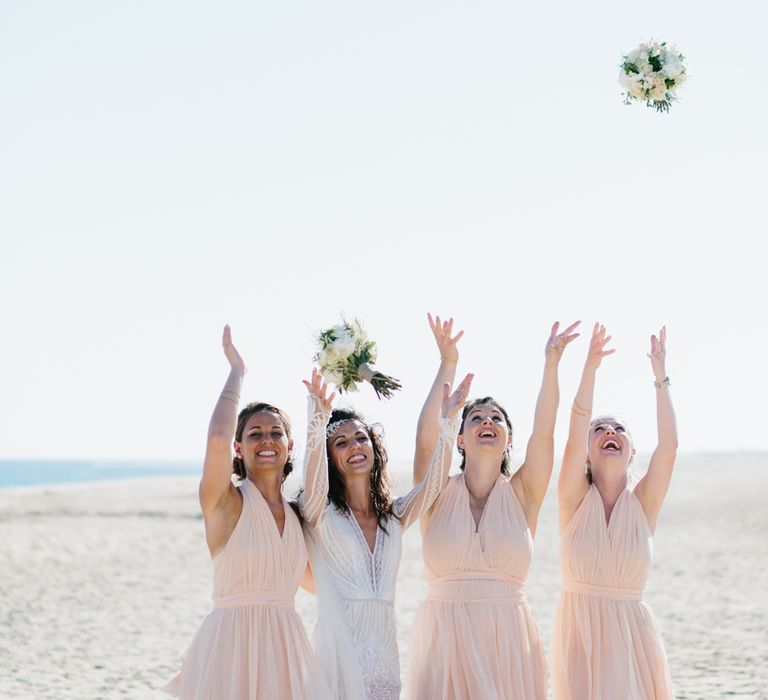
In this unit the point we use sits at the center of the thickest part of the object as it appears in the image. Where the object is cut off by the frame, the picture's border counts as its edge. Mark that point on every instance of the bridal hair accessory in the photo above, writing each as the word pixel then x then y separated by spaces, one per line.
pixel 653 72
pixel 345 355
pixel 333 427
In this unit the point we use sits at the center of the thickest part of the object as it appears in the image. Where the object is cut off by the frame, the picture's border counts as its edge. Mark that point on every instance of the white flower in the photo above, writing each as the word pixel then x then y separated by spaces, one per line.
pixel 636 90
pixel 673 66
pixel 344 341
pixel 650 84
pixel 332 377
pixel 624 79
pixel 659 92
pixel 330 358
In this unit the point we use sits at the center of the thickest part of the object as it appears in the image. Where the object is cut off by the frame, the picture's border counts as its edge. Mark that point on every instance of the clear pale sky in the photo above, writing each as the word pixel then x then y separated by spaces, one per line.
pixel 167 167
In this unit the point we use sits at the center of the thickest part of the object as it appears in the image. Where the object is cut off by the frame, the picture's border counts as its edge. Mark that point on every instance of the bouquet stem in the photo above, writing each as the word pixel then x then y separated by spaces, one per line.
pixel 382 384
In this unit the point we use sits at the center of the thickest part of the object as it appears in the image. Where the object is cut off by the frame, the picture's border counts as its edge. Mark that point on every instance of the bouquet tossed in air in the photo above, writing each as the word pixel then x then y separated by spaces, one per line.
pixel 345 355
pixel 653 72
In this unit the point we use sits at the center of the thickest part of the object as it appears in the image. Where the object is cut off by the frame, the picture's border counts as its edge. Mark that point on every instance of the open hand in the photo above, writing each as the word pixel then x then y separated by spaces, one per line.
pixel 318 388
pixel 454 402
pixel 559 341
pixel 445 343
pixel 597 345
pixel 658 354
pixel 233 356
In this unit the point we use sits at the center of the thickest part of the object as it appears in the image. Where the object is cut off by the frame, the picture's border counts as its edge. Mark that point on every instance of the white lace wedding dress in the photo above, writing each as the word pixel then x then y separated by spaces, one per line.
pixel 356 633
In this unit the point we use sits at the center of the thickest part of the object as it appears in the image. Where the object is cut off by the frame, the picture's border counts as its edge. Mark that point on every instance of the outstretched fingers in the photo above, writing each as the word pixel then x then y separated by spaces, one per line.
pixel 558 341
pixel 446 341
pixel 230 351
pixel 454 402
pixel 466 384
pixel 597 346
pixel 568 335
pixel 603 343
pixel 318 388
pixel 658 344
pixel 568 331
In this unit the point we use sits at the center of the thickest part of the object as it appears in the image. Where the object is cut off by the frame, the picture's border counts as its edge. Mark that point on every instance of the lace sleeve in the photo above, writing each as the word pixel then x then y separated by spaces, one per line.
pixel 412 506
pixel 315 494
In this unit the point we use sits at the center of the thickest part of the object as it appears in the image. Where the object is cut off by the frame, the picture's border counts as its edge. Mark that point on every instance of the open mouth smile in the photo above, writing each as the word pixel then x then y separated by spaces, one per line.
pixel 266 453
pixel 356 459
pixel 611 445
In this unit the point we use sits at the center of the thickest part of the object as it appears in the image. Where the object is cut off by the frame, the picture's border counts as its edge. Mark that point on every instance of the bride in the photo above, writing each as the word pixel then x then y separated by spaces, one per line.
pixel 354 526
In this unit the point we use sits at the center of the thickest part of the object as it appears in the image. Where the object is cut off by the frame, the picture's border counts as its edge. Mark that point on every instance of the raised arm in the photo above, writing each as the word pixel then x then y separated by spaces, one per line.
pixel 572 485
pixel 216 483
pixel 427 428
pixel 652 488
pixel 536 470
pixel 315 494
pixel 412 506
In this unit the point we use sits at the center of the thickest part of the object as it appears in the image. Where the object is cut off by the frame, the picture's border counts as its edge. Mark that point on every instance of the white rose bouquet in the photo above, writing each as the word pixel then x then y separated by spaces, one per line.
pixel 653 72
pixel 345 355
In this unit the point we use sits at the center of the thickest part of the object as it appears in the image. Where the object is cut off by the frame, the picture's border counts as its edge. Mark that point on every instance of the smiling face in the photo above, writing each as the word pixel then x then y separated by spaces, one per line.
pixel 485 429
pixel 351 449
pixel 264 444
pixel 610 444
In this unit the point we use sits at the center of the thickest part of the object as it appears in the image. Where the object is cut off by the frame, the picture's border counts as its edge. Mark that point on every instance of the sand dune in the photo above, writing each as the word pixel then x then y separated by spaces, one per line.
pixel 103 585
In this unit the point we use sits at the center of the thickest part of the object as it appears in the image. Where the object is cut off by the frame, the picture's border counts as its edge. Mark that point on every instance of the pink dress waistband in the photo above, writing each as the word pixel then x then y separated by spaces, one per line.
pixel 239 600
pixel 570 586
pixel 477 588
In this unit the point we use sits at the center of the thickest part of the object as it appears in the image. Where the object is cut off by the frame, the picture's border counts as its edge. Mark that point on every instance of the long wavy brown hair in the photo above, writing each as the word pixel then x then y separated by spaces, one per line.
pixel 381 495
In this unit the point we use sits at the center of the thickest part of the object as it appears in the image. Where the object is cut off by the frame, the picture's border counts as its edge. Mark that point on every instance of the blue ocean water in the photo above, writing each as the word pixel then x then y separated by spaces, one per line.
pixel 42 472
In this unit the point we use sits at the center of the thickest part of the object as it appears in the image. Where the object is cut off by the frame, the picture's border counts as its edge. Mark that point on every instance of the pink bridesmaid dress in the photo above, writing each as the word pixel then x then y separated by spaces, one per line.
pixel 253 644
pixel 474 637
pixel 606 643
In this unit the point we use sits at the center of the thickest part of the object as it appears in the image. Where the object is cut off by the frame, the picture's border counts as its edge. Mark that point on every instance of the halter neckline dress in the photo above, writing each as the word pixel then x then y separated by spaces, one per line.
pixel 606 643
pixel 253 643
pixel 474 638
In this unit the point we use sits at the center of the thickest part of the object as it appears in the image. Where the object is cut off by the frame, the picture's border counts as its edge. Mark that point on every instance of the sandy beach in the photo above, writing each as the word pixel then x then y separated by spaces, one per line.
pixel 103 585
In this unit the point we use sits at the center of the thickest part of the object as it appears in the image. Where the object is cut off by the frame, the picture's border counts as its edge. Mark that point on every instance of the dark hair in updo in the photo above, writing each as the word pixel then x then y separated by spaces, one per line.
pixel 380 485
pixel 238 465
pixel 480 402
